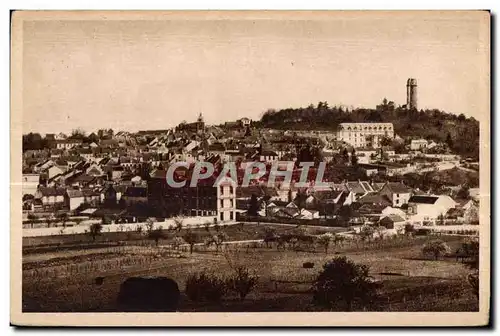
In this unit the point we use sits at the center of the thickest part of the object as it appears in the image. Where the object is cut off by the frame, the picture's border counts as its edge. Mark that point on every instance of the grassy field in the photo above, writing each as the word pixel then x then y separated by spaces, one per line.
pixel 63 281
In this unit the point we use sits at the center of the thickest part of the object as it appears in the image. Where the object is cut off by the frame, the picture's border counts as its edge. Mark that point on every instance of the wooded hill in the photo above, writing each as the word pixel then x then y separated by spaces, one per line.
pixel 461 133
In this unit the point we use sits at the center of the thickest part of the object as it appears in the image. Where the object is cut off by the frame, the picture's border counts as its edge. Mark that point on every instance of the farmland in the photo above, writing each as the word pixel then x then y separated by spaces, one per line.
pixel 61 279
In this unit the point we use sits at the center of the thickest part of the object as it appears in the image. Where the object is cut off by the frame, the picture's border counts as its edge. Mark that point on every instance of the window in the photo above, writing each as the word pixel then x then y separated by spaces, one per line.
pixel 221 203
pixel 231 215
pixel 221 190
pixel 221 216
pixel 231 189
pixel 232 203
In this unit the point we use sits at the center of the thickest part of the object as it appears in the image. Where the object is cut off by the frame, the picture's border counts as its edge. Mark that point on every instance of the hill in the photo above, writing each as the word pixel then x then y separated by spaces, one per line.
pixel 461 133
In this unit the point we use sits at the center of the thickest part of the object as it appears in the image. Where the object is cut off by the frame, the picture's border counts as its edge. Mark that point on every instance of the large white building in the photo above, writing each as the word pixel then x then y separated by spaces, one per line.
pixel 365 134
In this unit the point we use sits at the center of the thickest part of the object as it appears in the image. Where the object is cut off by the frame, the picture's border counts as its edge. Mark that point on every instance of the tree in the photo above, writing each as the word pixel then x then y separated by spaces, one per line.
pixel 345 155
pixel 77 134
pixel 409 229
pixel 178 223
pixel 343 281
pixel 156 234
pixel 95 230
pixel 32 218
pixel 470 249
pixel 191 238
pixel 63 217
pixel 354 158
pixel 463 192
pixel 217 240
pixel 436 248
pixel 366 233
pixel 177 242
pixel 300 201
pixel 324 240
pixel 449 140
pixel 269 235
pixel 242 282
pixel 253 207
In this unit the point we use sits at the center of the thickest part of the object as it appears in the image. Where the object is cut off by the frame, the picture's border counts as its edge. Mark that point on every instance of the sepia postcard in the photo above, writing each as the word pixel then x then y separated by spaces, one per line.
pixel 250 168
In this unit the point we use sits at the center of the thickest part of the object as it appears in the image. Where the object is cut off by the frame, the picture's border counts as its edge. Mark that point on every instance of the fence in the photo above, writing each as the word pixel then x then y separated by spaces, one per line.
pixel 84 227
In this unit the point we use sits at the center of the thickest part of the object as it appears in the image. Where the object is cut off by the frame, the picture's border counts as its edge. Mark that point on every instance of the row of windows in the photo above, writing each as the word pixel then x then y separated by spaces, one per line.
pixel 369 128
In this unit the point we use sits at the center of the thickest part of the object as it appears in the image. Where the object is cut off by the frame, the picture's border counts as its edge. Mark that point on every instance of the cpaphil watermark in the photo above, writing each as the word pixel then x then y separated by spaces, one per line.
pixel 253 171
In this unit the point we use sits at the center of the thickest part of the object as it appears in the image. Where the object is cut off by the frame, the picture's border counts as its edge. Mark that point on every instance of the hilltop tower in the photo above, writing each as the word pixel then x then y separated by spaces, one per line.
pixel 411 94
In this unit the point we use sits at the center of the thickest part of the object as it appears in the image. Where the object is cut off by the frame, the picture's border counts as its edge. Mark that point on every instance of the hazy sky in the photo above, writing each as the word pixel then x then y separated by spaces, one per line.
pixel 143 74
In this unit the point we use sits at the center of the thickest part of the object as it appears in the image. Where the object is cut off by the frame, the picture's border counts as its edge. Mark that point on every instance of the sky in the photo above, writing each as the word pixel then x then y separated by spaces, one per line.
pixel 143 74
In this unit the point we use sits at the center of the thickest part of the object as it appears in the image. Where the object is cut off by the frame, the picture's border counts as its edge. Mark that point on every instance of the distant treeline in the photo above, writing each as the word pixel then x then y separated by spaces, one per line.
pixel 459 132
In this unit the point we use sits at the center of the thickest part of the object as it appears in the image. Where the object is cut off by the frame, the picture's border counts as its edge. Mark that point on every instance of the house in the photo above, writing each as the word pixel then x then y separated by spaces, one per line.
pixel 30 184
pixel 377 198
pixel 358 188
pixel 394 211
pixel 426 209
pixel 112 194
pixel 134 195
pixel 55 170
pixel 91 197
pixel 95 170
pixel 393 221
pixel 68 143
pixel 245 122
pixel 418 145
pixel 397 192
pixel 42 166
pixel 50 197
pixel 267 156
pixel 469 209
pixel 74 198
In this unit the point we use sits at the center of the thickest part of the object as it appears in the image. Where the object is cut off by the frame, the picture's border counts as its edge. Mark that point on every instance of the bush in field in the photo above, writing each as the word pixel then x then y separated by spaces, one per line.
pixel 269 235
pixel 178 223
pixel 409 229
pixel 436 249
pixel 324 240
pixel 242 282
pixel 217 240
pixel 177 242
pixel 344 282
pixel 205 287
pixel 95 230
pixel 366 233
pixel 191 238
pixel 156 235
pixel 470 249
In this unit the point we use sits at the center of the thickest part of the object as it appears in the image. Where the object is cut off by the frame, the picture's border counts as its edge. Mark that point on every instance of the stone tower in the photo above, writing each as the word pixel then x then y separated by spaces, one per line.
pixel 411 94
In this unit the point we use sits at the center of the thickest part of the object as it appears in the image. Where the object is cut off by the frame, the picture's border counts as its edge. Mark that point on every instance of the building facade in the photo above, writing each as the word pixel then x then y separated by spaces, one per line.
pixel 361 135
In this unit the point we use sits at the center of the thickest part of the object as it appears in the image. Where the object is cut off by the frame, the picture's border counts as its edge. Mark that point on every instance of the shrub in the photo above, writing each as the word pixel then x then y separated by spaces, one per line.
pixel 205 287
pixel 324 240
pixel 345 282
pixel 242 282
pixel 436 248
pixel 95 230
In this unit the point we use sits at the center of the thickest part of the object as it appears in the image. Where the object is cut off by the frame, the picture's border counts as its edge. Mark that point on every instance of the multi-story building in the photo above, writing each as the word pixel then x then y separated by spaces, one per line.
pixel 365 134
pixel 205 199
